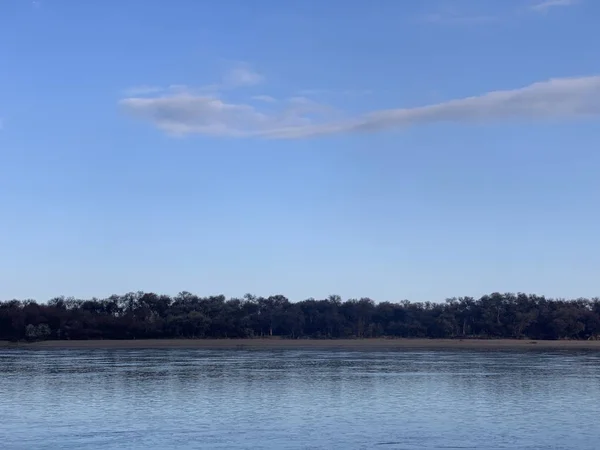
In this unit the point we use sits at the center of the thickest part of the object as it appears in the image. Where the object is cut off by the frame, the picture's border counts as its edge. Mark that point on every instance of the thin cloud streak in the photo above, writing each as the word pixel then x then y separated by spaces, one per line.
pixel 348 92
pixel 548 4
pixel 264 98
pixel 143 90
pixel 453 17
pixel 182 114
pixel 240 76
pixel 456 19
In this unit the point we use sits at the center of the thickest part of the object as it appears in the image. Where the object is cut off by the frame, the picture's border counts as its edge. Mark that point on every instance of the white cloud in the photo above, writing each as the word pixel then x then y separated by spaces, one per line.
pixel 242 75
pixel 187 113
pixel 544 6
pixel 555 98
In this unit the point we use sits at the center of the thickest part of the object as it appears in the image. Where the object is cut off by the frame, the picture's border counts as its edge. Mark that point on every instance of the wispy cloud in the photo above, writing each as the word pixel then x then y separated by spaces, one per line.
pixel 142 90
pixel 185 112
pixel 452 18
pixel 330 92
pixel 544 6
pixel 241 76
pixel 449 13
pixel 264 98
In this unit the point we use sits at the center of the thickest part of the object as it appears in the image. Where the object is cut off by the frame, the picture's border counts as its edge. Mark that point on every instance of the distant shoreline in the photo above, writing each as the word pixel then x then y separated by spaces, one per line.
pixel 309 344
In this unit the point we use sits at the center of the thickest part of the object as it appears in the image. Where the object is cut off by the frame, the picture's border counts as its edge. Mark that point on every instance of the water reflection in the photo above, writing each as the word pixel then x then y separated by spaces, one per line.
pixel 133 399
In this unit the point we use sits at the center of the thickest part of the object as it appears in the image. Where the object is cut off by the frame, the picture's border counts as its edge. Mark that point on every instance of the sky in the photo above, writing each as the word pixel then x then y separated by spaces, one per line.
pixel 386 149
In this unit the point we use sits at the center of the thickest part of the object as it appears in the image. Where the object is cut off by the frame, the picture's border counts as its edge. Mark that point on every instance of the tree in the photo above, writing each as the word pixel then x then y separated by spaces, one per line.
pixel 149 315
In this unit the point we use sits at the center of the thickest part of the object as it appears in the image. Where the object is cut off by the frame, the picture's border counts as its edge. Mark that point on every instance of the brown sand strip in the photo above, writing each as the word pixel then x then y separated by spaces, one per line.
pixel 311 344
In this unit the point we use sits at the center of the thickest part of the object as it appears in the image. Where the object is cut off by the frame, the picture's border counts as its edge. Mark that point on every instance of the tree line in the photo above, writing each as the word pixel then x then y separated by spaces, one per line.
pixel 145 315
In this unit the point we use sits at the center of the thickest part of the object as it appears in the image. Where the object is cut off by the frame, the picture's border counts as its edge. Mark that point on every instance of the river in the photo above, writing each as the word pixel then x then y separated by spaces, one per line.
pixel 289 399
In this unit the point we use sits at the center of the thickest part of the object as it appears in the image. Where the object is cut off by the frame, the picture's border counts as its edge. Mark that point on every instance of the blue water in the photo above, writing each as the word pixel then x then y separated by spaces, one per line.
pixel 193 399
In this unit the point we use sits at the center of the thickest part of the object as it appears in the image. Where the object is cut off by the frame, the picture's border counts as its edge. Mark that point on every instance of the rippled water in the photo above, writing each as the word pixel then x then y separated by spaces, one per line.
pixel 187 399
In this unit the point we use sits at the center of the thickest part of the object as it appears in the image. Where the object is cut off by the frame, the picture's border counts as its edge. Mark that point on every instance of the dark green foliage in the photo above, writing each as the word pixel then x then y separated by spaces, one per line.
pixel 147 315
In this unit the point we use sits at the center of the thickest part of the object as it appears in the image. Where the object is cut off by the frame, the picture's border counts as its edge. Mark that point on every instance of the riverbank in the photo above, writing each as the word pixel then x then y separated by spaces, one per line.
pixel 310 344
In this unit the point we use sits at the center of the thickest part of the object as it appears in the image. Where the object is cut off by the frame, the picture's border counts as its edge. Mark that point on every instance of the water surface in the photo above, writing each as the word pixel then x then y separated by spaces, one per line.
pixel 228 399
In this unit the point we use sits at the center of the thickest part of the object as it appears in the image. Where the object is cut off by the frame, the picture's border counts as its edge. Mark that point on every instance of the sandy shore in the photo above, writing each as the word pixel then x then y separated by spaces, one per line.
pixel 310 344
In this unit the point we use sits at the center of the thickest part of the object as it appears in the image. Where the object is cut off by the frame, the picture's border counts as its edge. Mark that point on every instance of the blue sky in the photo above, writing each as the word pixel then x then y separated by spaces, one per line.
pixel 390 149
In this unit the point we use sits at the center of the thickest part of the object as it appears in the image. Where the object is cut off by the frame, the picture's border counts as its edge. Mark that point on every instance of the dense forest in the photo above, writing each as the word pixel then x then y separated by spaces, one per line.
pixel 147 315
